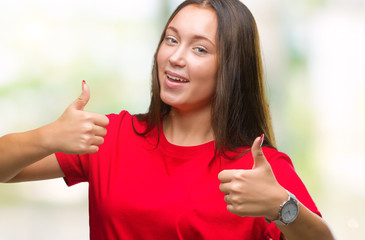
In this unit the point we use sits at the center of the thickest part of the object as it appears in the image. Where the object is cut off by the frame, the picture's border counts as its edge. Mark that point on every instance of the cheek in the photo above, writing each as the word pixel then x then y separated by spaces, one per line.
pixel 208 73
pixel 161 56
pixel 159 65
pixel 161 60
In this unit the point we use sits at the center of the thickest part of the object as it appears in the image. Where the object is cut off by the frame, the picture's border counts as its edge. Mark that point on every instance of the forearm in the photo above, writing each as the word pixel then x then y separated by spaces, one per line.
pixel 75 132
pixel 19 150
pixel 307 226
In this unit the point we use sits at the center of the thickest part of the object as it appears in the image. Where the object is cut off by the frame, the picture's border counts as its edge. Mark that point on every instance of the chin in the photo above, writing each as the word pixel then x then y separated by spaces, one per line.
pixel 169 99
pixel 170 103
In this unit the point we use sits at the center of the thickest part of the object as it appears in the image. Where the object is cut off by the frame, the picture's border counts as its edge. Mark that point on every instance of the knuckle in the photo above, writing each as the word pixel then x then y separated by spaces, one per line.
pixel 239 176
pixel 81 149
pixel 86 117
pixel 240 210
pixel 236 187
pixel 84 139
pixel 233 199
pixel 88 128
pixel 85 142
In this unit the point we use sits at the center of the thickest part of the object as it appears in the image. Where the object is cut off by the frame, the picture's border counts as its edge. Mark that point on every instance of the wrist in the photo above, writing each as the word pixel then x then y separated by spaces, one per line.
pixel 280 197
pixel 288 211
pixel 45 139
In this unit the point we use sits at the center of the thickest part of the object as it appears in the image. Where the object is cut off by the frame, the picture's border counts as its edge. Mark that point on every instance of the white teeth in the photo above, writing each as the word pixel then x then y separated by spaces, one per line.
pixel 176 78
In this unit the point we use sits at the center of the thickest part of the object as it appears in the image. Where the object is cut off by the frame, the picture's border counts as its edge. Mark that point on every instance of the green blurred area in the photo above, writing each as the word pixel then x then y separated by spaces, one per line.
pixel 44 56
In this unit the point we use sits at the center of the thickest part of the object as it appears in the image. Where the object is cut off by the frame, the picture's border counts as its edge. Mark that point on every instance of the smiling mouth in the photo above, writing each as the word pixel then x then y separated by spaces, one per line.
pixel 175 78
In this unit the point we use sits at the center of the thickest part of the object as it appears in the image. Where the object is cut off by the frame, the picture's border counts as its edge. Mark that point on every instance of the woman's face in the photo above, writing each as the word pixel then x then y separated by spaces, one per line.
pixel 187 59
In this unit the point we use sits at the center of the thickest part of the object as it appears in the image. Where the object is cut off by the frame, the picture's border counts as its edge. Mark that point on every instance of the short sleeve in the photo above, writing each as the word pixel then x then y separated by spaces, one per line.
pixel 81 168
pixel 285 174
pixel 75 167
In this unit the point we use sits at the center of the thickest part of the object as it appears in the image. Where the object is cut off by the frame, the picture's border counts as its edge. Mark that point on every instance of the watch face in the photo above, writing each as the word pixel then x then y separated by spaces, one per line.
pixel 289 212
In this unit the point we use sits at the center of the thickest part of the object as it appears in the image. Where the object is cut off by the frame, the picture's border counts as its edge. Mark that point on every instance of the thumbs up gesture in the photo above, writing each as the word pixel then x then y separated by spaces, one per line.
pixel 78 131
pixel 254 192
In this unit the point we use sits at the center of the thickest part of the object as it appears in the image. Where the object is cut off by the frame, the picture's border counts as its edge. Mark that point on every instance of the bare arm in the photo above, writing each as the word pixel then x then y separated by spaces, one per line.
pixel 29 156
pixel 46 168
pixel 20 150
pixel 307 225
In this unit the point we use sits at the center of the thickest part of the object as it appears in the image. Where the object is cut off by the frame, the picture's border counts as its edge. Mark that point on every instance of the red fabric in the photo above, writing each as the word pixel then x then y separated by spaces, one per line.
pixel 138 191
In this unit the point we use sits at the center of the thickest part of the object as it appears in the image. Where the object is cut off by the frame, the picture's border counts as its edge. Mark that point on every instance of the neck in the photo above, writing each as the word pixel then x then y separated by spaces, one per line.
pixel 188 128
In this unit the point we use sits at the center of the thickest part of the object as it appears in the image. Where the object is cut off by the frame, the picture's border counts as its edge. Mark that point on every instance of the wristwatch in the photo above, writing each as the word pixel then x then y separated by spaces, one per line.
pixel 288 211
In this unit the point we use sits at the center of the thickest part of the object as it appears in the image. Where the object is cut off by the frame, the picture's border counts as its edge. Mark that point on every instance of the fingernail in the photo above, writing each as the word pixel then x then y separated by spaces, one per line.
pixel 83 82
pixel 262 139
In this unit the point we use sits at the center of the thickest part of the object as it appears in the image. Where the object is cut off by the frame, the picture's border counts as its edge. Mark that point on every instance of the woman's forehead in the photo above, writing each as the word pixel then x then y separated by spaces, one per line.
pixel 196 20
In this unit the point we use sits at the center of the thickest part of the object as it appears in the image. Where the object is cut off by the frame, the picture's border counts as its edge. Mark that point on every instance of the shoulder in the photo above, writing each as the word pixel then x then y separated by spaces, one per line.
pixel 118 123
pixel 123 119
pixel 115 118
pixel 280 162
pixel 277 159
pixel 125 122
pixel 274 156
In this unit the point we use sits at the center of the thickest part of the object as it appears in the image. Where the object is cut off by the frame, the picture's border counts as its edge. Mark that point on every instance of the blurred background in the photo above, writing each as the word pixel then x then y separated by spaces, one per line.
pixel 313 53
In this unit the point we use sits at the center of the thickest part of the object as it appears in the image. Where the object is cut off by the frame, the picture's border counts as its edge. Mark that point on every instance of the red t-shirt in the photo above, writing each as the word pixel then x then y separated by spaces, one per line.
pixel 140 191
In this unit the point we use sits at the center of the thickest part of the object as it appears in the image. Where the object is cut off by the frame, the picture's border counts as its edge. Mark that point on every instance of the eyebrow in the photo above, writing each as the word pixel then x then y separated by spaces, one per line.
pixel 195 37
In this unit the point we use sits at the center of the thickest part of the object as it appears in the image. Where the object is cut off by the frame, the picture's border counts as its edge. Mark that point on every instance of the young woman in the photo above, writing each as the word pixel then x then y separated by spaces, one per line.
pixel 193 166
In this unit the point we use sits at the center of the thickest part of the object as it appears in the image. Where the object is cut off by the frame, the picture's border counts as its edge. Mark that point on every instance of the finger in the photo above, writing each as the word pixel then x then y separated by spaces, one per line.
pixel 232 209
pixel 226 175
pixel 100 120
pixel 90 149
pixel 100 131
pixel 83 99
pixel 97 141
pixel 257 154
pixel 224 188
pixel 93 149
pixel 226 199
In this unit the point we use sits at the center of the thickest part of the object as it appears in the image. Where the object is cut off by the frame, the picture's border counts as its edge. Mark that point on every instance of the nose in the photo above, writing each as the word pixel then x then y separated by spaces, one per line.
pixel 177 57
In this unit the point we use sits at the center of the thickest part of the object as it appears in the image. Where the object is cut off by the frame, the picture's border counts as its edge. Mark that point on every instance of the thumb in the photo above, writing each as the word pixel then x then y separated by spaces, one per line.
pixel 83 99
pixel 257 154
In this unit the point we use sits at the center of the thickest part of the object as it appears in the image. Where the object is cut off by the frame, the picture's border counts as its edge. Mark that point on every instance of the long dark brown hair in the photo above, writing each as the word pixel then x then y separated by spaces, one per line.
pixel 240 112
